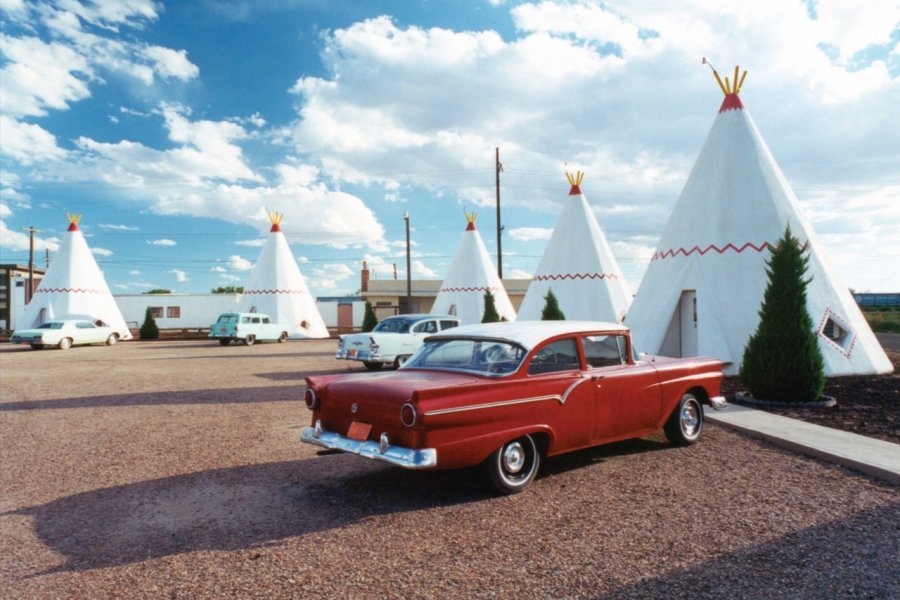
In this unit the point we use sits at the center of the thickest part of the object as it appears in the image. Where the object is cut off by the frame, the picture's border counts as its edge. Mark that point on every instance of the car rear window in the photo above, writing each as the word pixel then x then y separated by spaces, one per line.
pixel 484 356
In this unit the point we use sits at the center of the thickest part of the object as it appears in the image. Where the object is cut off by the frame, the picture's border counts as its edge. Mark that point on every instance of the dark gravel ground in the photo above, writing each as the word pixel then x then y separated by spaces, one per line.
pixel 172 470
pixel 867 405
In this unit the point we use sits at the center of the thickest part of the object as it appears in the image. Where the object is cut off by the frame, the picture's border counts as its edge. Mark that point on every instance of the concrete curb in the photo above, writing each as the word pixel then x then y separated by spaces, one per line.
pixel 873 457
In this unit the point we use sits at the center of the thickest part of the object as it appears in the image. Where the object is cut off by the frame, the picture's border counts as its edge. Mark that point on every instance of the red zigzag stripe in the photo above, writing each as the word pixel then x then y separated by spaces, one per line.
pixel 720 250
pixel 274 292
pixel 576 276
pixel 68 291
pixel 468 289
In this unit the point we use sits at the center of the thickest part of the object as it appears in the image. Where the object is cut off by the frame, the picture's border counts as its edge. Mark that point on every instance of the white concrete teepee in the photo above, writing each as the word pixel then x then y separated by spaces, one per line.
pixel 470 275
pixel 74 288
pixel 277 288
pixel 703 289
pixel 579 267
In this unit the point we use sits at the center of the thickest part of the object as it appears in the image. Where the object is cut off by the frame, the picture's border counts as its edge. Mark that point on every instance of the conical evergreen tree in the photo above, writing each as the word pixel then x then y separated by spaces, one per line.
pixel 149 330
pixel 551 311
pixel 490 309
pixel 369 319
pixel 782 360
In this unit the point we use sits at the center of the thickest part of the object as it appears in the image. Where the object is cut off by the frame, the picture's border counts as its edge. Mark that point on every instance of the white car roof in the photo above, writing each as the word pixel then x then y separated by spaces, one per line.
pixel 528 333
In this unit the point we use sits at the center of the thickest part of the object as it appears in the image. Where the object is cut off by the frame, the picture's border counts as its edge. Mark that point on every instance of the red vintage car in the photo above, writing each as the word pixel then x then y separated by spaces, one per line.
pixel 506 394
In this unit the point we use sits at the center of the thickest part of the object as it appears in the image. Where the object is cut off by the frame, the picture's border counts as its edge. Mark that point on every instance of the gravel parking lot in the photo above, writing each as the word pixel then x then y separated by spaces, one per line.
pixel 173 470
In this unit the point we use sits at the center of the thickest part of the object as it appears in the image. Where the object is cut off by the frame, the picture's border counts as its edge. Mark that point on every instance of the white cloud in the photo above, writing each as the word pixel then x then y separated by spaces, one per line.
pixel 26 143
pixel 516 274
pixel 238 263
pixel 171 63
pixel 102 251
pixel 162 242
pixel 18 240
pixel 5 211
pixel 228 277
pixel 134 272
pixel 257 243
pixel 218 269
pixel 527 234
pixel 118 227
pixel 180 275
pixel 420 270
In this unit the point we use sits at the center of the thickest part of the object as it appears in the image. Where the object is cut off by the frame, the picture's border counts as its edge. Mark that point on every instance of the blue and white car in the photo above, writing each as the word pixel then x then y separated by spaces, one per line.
pixel 248 328
pixel 393 340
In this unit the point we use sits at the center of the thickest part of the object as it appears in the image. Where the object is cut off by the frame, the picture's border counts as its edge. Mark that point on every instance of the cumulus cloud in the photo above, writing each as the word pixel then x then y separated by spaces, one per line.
pixel 420 270
pixel 162 242
pixel 238 263
pixel 18 240
pixel 102 251
pixel 527 234
pixel 180 275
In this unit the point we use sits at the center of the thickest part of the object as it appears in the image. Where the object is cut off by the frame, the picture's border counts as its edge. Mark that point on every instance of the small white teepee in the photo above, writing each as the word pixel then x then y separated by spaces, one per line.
pixel 703 289
pixel 579 267
pixel 277 288
pixel 74 288
pixel 470 275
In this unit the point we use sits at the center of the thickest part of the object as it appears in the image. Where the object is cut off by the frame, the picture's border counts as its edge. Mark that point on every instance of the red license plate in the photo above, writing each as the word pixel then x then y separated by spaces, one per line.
pixel 351 353
pixel 359 431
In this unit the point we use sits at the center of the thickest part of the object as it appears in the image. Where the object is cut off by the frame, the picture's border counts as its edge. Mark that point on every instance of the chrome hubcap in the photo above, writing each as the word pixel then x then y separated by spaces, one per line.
pixel 690 419
pixel 513 458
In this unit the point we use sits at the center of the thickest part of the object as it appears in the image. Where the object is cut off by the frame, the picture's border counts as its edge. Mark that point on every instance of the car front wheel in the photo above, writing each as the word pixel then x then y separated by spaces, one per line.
pixel 400 360
pixel 37 346
pixel 65 344
pixel 283 337
pixel 112 339
pixel 686 421
pixel 249 340
pixel 514 465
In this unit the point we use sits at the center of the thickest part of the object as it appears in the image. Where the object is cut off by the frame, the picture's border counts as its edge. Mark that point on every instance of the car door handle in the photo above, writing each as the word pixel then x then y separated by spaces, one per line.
pixel 597 377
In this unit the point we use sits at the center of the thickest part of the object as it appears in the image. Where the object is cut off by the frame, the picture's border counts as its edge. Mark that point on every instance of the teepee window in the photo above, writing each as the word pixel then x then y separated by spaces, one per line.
pixel 837 332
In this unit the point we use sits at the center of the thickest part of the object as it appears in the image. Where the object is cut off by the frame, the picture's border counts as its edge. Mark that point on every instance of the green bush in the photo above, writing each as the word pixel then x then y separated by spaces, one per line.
pixel 369 319
pixel 782 360
pixel 149 330
pixel 551 311
pixel 490 309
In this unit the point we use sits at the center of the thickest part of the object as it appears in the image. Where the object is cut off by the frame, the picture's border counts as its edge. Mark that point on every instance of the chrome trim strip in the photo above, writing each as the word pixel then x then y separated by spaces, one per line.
pixel 557 397
pixel 395 455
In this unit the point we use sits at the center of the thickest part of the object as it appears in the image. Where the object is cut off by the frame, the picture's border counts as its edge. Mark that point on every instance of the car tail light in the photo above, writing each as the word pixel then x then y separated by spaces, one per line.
pixel 340 343
pixel 408 415
pixel 312 401
pixel 372 345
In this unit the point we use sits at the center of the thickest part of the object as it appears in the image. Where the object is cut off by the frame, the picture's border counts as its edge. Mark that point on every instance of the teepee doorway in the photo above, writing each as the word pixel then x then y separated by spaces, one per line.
pixel 681 336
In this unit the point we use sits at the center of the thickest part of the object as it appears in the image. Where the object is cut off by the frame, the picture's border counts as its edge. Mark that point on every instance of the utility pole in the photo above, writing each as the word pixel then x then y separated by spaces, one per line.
pixel 408 268
pixel 497 168
pixel 31 231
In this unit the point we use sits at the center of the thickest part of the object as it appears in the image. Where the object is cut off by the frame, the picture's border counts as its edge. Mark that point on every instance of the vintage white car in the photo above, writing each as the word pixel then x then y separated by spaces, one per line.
pixel 393 340
pixel 65 334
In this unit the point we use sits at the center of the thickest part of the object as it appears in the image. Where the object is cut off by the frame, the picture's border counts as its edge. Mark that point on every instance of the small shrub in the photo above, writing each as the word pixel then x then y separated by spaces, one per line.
pixel 369 319
pixel 551 311
pixel 490 309
pixel 149 330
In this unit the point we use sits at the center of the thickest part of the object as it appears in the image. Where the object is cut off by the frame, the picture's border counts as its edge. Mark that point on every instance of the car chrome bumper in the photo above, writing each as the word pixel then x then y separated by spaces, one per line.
pixel 363 356
pixel 718 402
pixel 395 455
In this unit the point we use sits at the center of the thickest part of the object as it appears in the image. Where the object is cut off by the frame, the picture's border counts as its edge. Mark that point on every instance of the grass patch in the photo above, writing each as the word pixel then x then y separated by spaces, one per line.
pixel 883 319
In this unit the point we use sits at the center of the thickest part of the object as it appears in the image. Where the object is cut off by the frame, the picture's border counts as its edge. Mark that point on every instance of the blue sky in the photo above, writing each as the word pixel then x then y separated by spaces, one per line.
pixel 174 126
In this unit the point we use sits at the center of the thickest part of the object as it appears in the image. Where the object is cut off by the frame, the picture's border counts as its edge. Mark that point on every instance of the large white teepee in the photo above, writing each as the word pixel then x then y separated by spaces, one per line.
pixel 74 288
pixel 703 289
pixel 470 275
pixel 579 267
pixel 277 288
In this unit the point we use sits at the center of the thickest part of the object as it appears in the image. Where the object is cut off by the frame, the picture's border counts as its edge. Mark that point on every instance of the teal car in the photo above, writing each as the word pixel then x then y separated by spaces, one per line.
pixel 248 328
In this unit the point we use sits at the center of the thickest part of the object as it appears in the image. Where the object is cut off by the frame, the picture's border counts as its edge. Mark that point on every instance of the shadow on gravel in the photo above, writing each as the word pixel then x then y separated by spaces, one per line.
pixel 300 376
pixel 256 505
pixel 853 557
pixel 236 508
pixel 251 395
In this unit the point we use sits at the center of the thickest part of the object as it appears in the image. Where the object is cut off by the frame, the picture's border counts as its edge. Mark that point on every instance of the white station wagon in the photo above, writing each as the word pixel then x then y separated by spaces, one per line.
pixel 393 340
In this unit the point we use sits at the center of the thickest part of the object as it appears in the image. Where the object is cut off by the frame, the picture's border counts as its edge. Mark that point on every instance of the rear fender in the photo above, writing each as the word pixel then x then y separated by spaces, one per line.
pixel 472 451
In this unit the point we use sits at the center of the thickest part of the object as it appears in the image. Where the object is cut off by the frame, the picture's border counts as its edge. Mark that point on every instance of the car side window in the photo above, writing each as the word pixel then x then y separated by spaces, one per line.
pixel 266 320
pixel 561 355
pixel 448 324
pixel 245 319
pixel 84 325
pixel 425 327
pixel 255 319
pixel 604 350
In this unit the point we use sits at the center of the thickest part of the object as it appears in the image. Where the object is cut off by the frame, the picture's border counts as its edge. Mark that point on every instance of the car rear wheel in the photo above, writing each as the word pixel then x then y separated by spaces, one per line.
pixel 514 465
pixel 224 341
pixel 372 366
pixel 65 344
pixel 249 340
pixel 686 422
pixel 112 339
pixel 283 337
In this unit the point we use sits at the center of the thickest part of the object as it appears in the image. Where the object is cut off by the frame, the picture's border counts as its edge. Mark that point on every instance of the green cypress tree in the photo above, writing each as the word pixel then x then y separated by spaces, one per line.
pixel 782 360
pixel 551 311
pixel 149 330
pixel 369 318
pixel 490 309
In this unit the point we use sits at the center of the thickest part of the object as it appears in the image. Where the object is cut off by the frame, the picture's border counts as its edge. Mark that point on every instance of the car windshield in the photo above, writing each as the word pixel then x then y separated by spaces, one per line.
pixel 484 356
pixel 51 325
pixel 393 326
